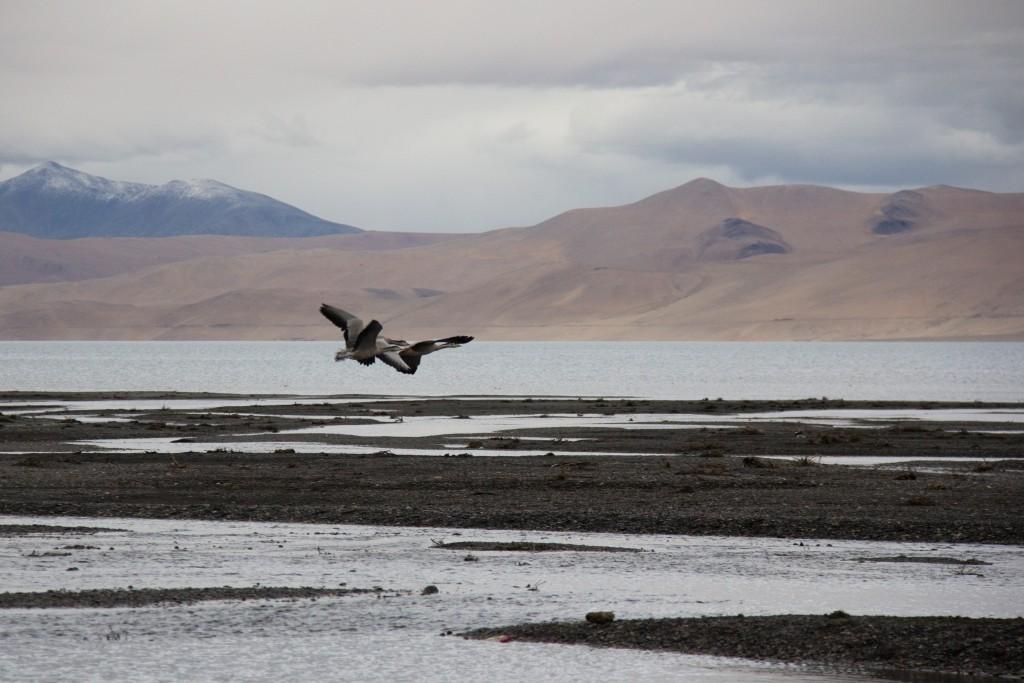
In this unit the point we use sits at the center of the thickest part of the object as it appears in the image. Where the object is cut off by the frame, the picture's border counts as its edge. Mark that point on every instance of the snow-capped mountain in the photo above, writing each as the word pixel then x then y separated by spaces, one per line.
pixel 53 201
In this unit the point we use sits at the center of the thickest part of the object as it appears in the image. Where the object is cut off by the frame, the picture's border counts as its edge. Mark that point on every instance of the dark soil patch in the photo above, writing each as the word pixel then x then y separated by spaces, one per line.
pixel 526 546
pixel 656 495
pixel 926 560
pixel 33 529
pixel 143 597
pixel 991 647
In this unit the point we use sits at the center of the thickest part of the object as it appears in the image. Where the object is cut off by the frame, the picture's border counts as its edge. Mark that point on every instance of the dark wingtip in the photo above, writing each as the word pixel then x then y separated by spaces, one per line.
pixel 462 339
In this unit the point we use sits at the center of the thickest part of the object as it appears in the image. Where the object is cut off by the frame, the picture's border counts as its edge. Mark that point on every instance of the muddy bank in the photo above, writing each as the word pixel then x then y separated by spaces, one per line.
pixel 144 597
pixel 968 562
pixel 35 529
pixel 526 546
pixel 711 428
pixel 708 479
pixel 987 647
pixel 658 495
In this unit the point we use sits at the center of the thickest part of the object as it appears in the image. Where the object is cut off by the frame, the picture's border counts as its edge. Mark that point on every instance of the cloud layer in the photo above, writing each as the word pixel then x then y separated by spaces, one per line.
pixel 474 115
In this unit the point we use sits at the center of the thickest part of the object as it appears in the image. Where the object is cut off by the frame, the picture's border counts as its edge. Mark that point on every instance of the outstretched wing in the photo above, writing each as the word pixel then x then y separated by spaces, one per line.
pixel 395 360
pixel 351 325
pixel 411 357
pixel 430 345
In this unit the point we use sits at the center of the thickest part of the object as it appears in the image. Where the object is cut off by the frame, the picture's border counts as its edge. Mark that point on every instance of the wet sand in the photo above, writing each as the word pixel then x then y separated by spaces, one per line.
pixel 145 597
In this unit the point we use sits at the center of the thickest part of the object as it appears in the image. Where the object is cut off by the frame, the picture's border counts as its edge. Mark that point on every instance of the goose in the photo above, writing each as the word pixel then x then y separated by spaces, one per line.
pixel 363 343
pixel 406 359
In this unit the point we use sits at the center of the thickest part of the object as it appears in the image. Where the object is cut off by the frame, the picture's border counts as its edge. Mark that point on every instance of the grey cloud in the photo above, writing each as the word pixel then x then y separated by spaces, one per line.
pixel 967 91
pixel 81 146
pixel 476 114
pixel 590 43
pixel 806 140
pixel 293 131
pixel 891 162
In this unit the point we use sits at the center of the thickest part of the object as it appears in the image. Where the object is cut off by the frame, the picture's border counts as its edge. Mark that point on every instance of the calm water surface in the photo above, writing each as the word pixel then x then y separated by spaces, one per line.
pixel 363 638
pixel 682 370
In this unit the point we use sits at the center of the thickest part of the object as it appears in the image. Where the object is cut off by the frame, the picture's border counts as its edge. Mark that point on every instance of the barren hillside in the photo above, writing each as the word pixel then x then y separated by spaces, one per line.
pixel 701 261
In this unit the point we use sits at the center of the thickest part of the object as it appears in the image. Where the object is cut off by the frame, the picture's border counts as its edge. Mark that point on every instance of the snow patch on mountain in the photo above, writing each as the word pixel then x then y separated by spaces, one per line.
pixel 52 177
pixel 199 189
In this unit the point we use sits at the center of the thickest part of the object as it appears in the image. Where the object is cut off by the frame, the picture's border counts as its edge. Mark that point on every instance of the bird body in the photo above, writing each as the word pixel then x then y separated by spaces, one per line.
pixel 363 343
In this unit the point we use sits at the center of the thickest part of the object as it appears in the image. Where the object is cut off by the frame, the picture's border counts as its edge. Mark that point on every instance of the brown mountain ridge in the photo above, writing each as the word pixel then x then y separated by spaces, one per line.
pixel 702 261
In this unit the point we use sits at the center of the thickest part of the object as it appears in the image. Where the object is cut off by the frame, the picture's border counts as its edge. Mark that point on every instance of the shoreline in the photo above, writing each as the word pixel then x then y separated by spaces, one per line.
pixel 119 394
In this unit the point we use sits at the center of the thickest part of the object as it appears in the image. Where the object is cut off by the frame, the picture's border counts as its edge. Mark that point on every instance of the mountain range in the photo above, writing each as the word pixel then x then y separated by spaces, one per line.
pixel 702 261
pixel 54 201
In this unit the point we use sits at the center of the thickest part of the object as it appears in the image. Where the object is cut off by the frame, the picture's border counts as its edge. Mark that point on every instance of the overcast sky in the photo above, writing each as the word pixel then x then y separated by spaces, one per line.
pixel 466 116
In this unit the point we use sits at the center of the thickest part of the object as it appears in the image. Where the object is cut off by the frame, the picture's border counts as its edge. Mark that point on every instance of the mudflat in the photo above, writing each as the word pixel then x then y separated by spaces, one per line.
pixel 715 473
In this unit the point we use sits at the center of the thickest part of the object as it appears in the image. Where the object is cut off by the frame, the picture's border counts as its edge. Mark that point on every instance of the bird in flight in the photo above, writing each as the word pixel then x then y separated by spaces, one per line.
pixel 406 360
pixel 364 342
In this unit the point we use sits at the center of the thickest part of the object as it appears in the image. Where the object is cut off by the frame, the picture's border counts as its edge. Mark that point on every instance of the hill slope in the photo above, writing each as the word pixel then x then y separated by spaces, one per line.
pixel 701 261
pixel 25 259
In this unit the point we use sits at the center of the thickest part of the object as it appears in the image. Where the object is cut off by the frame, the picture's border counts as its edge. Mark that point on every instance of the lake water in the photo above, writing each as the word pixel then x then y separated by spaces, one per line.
pixel 967 371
